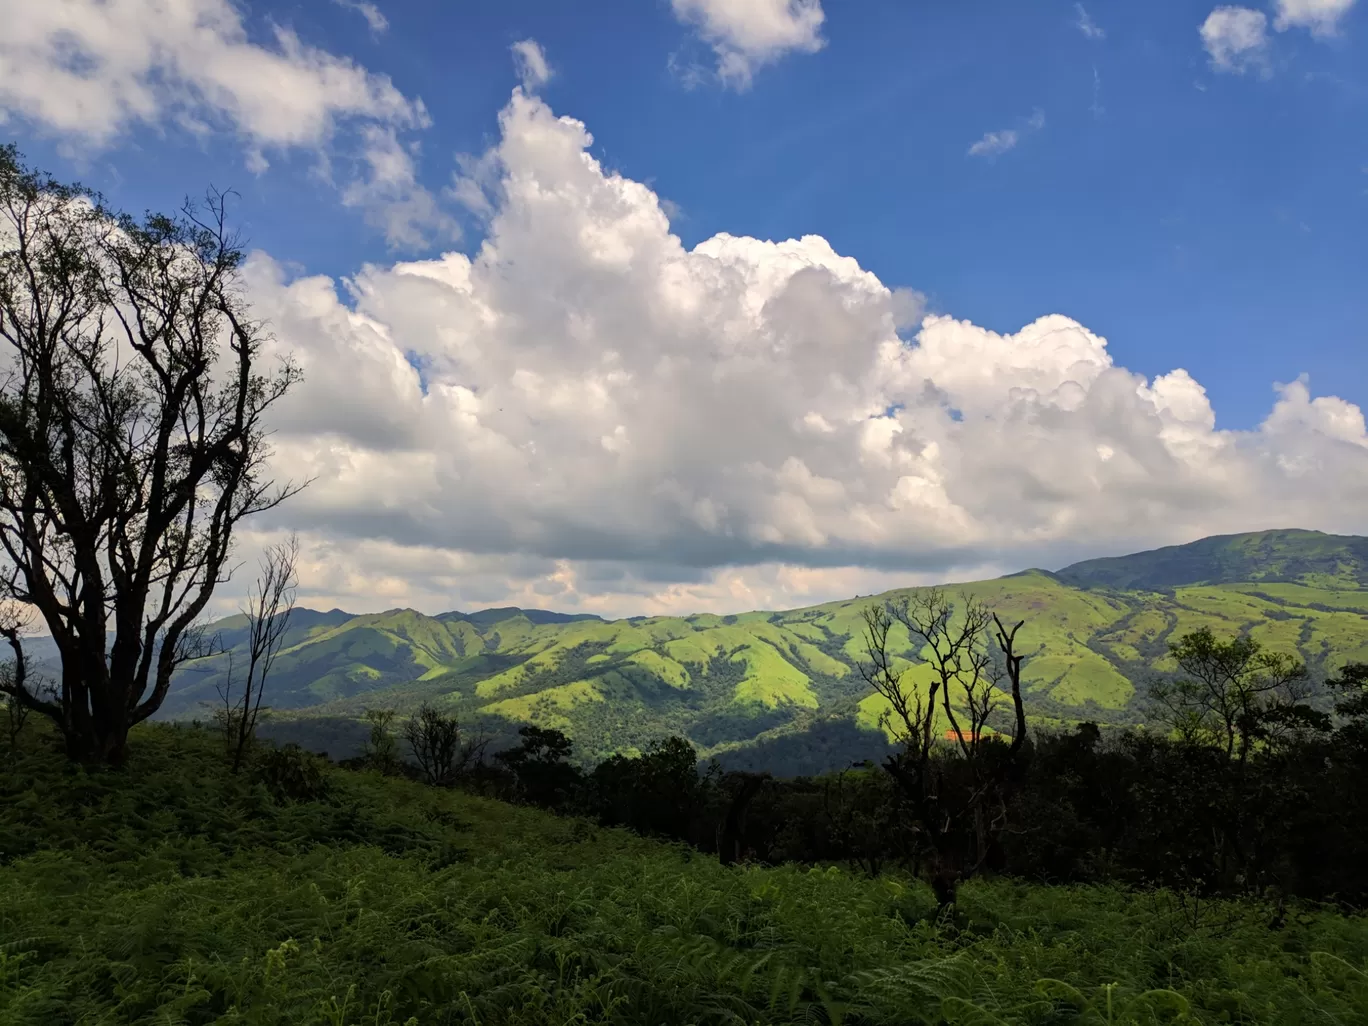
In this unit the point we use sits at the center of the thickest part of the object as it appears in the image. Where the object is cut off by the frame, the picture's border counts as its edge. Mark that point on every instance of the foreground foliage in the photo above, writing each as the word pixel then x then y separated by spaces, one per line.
pixel 295 892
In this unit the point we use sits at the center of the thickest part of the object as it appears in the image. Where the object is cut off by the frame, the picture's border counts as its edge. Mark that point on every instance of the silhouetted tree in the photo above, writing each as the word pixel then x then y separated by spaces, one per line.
pixel 541 768
pixel 1012 660
pixel 955 791
pixel 1230 693
pixel 436 740
pixel 131 440
pixel 381 752
pixel 1350 688
pixel 658 792
pixel 731 846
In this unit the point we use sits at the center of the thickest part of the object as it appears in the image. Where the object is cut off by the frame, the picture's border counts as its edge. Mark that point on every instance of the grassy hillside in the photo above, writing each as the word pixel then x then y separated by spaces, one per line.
pixel 175 892
pixel 1095 633
pixel 1273 557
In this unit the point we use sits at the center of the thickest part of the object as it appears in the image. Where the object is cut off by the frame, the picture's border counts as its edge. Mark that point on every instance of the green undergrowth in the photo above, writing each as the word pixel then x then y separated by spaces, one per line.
pixel 175 892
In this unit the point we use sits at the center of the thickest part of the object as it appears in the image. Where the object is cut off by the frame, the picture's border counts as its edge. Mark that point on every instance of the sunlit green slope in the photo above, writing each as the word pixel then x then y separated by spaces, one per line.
pixel 1095 632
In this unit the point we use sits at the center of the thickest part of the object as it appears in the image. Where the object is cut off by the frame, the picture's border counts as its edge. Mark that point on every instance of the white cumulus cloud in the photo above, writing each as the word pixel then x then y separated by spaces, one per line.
pixel 1236 39
pixel 1321 17
pixel 586 414
pixel 88 71
pixel 748 34
pixel 530 60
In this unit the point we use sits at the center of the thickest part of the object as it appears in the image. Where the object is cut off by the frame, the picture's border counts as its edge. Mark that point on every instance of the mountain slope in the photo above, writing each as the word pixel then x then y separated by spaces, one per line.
pixel 1304 557
pixel 1095 633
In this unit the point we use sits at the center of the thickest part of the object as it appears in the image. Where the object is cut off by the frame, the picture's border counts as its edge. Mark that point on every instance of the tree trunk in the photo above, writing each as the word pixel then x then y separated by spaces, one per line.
pixel 945 886
pixel 98 740
pixel 95 718
pixel 730 849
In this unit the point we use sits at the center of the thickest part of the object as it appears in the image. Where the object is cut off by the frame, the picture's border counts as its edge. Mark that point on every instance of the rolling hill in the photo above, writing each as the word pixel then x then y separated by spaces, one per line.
pixel 743 685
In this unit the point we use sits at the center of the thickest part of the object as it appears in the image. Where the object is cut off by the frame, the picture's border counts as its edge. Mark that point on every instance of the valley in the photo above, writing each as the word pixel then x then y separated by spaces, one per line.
pixel 788 682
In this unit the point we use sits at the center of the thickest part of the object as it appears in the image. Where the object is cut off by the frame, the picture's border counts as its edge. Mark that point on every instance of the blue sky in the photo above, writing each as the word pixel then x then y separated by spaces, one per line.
pixel 1211 221
pixel 1187 180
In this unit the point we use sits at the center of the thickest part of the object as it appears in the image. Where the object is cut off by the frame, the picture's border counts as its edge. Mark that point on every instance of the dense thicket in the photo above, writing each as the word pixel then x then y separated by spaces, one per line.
pixel 1136 807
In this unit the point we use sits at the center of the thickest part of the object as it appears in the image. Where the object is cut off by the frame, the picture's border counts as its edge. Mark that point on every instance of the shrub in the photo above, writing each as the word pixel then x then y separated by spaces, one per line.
pixel 291 774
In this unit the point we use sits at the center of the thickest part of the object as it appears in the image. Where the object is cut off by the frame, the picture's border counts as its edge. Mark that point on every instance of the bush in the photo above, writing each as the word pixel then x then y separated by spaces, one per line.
pixel 173 891
pixel 290 774
pixel 444 755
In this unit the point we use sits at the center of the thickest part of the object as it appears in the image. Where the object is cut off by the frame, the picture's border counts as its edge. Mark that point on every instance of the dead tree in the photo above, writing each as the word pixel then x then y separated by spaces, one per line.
pixel 444 754
pixel 953 785
pixel 269 606
pixel 1006 640
pixel 132 441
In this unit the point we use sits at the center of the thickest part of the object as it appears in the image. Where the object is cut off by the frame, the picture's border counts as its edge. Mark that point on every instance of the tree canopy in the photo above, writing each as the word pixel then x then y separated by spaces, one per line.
pixel 132 442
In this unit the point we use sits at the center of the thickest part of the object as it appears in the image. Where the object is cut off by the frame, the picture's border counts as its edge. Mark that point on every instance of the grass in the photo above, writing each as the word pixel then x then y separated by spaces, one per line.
pixel 173 892
pixel 548 708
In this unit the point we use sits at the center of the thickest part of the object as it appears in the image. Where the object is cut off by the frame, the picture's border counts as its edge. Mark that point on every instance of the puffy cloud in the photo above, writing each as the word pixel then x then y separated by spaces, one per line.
pixel 586 414
pixel 89 70
pixel 392 198
pixel 92 69
pixel 1321 17
pixel 1236 39
pixel 530 60
pixel 748 34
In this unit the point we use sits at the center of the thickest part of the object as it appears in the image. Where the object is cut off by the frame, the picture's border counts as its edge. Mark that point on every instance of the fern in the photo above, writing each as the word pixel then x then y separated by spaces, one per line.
pixel 218 903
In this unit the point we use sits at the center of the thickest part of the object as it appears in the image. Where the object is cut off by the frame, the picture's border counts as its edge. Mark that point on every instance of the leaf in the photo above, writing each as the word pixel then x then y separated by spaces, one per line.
pixel 1162 1002
pixel 961 1012
pixel 1061 993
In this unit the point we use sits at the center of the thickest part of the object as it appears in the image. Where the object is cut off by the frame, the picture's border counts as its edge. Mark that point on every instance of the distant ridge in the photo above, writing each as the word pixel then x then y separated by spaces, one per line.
pixel 1283 556
pixel 485 617
pixel 1289 555
pixel 785 686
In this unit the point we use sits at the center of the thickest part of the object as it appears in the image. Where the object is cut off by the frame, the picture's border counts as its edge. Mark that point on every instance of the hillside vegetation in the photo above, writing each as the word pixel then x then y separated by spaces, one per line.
pixel 1096 633
pixel 172 891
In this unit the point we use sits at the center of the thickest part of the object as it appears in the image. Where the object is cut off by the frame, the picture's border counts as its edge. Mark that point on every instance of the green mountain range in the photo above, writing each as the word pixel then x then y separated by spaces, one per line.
pixel 779 682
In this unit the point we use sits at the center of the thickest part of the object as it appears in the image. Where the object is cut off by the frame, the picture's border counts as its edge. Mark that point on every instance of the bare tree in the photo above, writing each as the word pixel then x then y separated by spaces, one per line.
pixel 269 606
pixel 381 752
pixel 442 751
pixel 1011 660
pixel 963 670
pixel 132 443
pixel 956 790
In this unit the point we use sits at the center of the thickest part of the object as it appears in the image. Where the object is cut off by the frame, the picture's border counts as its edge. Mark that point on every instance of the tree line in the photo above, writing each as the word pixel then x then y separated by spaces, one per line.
pixel 1248 782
